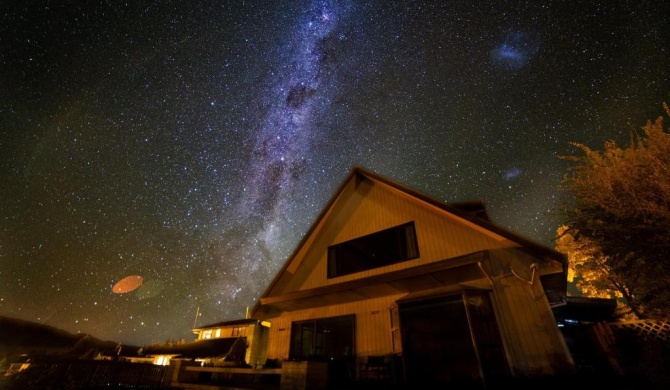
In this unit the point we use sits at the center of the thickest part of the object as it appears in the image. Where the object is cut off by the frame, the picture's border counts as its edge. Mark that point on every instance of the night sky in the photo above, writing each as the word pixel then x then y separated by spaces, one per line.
pixel 194 142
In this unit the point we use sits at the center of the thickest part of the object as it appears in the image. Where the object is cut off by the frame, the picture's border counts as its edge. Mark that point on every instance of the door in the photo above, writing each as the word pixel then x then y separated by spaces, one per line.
pixel 441 337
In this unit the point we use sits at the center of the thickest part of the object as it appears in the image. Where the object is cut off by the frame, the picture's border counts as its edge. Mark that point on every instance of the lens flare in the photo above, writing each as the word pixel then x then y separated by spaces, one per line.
pixel 127 284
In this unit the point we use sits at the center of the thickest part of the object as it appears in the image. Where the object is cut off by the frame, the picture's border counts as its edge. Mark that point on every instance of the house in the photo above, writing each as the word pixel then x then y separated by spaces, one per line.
pixel 232 343
pixel 255 334
pixel 225 354
pixel 389 282
pixel 219 351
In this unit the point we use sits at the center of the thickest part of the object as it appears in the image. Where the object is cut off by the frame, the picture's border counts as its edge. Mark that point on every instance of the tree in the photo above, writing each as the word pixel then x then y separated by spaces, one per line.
pixel 590 271
pixel 618 233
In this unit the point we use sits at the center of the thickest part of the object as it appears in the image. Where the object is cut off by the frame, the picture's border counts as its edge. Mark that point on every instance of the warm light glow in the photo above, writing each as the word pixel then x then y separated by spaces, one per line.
pixel 162 360
pixel 127 284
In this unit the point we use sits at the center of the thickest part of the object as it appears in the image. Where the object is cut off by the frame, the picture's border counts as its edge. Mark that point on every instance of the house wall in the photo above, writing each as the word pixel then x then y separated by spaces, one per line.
pixel 371 208
pixel 257 344
pixel 533 342
pixel 373 330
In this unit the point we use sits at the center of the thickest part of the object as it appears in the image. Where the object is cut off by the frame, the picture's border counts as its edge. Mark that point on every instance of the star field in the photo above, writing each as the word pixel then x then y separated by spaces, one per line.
pixel 193 143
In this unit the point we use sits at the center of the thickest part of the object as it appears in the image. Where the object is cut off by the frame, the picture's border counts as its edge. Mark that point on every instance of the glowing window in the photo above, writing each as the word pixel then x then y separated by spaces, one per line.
pixel 162 360
pixel 239 331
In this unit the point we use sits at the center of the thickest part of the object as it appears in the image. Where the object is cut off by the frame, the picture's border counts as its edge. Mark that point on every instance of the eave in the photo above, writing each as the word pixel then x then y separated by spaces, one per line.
pixel 442 273
pixel 245 321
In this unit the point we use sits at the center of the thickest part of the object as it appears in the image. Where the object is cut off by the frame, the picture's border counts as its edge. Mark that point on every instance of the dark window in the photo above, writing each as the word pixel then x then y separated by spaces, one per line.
pixel 437 343
pixel 487 335
pixel 451 337
pixel 375 250
pixel 322 339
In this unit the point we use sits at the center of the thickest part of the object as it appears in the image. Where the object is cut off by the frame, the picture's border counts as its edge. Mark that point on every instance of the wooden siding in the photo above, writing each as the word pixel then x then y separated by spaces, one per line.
pixel 257 345
pixel 529 330
pixel 374 207
pixel 373 331
pixel 533 344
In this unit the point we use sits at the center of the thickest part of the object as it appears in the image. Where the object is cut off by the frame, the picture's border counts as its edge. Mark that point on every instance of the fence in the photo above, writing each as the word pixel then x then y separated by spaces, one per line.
pixel 91 374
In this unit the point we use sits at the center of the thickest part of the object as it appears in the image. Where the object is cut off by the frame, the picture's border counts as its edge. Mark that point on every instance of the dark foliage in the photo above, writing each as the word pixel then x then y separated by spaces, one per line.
pixel 622 209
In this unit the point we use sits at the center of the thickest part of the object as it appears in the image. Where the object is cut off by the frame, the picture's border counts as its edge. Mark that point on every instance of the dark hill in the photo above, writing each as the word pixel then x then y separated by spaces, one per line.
pixel 18 337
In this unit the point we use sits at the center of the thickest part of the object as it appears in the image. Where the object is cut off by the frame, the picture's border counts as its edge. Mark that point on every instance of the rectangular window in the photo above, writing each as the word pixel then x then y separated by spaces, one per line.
pixel 207 334
pixel 323 339
pixel 375 250
pixel 218 333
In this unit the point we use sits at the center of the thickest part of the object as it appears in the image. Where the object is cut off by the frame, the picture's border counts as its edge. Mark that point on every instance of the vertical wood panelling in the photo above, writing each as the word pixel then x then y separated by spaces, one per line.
pixel 531 331
pixel 372 325
pixel 440 235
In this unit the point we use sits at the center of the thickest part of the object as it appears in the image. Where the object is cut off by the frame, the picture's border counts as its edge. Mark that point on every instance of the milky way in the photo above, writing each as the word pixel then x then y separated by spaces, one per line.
pixel 284 137
pixel 283 147
pixel 193 143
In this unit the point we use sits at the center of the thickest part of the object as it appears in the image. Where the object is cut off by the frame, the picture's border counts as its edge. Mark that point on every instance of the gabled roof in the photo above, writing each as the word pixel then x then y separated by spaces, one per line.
pixel 473 212
pixel 244 321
